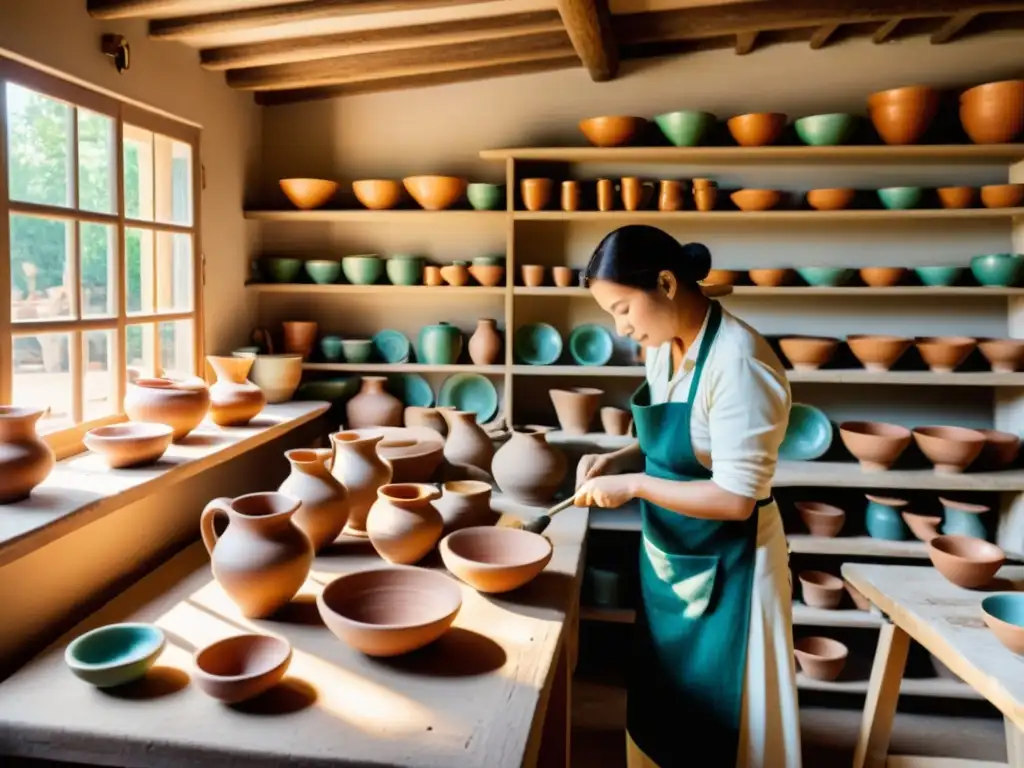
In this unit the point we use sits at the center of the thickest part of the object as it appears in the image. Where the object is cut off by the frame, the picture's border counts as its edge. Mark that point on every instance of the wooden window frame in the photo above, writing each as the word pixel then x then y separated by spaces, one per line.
pixel 68 441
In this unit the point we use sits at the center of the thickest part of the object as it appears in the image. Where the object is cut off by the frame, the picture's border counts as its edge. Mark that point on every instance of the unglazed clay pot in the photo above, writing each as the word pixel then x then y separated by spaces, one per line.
pixel 299 338
pixel 323 511
pixel 605 194
pixel 378 194
pixel 808 353
pixel 262 559
pixel 563 276
pixel 536 193
pixel 956 197
pixel 770 278
pixel 570 195
pixel 756 129
pixel 821 658
pixel 615 421
pixel 820 589
pixel 495 560
pixel 875 444
pixel 414 453
pixel 877 353
pixel 1000 451
pixel 882 277
pixel 950 449
pixel 533 275
pixel 924 527
pixel 705 198
pixel 993 113
pixel 180 404
pixel 25 460
pixel 373 406
pixel 485 343
pixel 464 503
pixel 1004 355
pixel 357 466
pixel 1002 195
pixel 528 468
pixel 467 444
pixel 431 418
pixel 902 115
pixel 636 193
pixel 403 524
pixel 830 199
pixel 576 408
pixel 821 519
pixel 670 195
pixel 234 400
pixel 241 667
pixel 967 562
pixel 942 354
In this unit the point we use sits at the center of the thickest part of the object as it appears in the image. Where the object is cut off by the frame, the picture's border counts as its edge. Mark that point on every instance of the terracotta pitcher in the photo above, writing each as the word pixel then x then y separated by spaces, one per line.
pixel 465 503
pixel 403 524
pixel 362 471
pixel 234 400
pixel 485 343
pixel 324 509
pixel 467 444
pixel 262 559
pixel 25 460
pixel 373 406
pixel 181 404
pixel 528 468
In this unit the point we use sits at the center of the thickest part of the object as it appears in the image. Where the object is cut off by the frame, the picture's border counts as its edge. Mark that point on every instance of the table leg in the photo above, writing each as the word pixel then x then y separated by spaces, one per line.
pixel 1014 744
pixel 554 743
pixel 883 693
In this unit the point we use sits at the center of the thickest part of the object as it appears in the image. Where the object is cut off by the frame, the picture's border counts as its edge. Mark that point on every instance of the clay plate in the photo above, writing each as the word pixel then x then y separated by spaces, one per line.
pixel 241 667
pixel 492 559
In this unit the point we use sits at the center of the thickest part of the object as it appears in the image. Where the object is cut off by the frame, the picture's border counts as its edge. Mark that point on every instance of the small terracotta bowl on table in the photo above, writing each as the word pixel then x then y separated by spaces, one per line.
pixel 1004 616
pixel 965 561
pixel 241 667
pixel 924 527
pixel 1004 355
pixel 950 449
pixel 129 445
pixel 830 199
pixel 821 590
pixel 821 519
pixel 875 444
pixel 492 559
pixel 808 353
pixel 821 658
pixel 756 129
pixel 943 354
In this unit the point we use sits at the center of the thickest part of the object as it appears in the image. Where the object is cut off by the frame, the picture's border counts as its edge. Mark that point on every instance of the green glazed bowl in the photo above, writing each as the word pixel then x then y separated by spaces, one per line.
pixel 323 272
pixel 591 345
pixel 900 198
pixel 825 130
pixel 470 392
pixel 362 270
pixel 115 654
pixel 331 347
pixel 405 270
pixel 357 350
pixel 685 128
pixel 537 344
pixel 492 260
pixel 825 276
pixel 808 435
pixel 330 390
pixel 997 269
pixel 938 277
pixel 411 389
pixel 486 197
pixel 283 270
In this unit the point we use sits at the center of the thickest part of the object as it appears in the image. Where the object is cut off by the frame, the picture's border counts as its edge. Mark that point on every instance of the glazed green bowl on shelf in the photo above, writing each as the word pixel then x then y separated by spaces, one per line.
pixel 489 260
pixel 282 270
pixel 591 345
pixel 997 269
pixel 820 277
pixel 404 269
pixel 900 198
pixel 469 392
pixel 411 389
pixel 363 269
pixel 115 654
pixel 825 130
pixel 357 350
pixel 486 197
pixel 332 390
pixel 685 127
pixel 537 344
pixel 332 347
pixel 808 435
pixel 322 271
pixel 938 277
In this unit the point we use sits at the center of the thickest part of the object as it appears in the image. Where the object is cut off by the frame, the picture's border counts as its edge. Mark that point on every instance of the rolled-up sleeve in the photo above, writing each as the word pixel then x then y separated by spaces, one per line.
pixel 748 411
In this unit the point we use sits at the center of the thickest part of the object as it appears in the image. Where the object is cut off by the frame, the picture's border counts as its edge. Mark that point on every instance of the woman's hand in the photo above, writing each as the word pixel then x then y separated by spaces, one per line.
pixel 607 492
pixel 595 465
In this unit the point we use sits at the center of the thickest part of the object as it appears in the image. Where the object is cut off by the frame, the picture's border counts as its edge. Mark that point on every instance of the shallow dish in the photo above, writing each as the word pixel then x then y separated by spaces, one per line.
pixel 469 392
pixel 129 445
pixel 537 344
pixel 492 559
pixel 115 654
pixel 591 345
pixel 392 346
pixel 241 667
pixel 808 435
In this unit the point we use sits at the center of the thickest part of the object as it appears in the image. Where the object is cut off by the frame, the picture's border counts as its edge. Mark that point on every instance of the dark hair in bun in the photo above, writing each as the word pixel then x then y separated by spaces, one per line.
pixel 636 254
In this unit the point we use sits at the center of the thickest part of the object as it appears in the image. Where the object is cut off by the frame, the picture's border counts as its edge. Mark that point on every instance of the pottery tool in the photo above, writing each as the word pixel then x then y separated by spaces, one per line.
pixel 537 524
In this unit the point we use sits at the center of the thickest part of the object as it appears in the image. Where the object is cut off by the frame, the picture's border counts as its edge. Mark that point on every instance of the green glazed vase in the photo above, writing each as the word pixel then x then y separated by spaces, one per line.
pixel 439 344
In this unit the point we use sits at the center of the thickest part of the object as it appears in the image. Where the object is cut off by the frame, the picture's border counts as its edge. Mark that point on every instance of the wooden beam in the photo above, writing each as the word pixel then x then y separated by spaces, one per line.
pixel 885 31
pixel 745 42
pixel 109 10
pixel 952 27
pixel 588 23
pixel 821 36
pixel 375 40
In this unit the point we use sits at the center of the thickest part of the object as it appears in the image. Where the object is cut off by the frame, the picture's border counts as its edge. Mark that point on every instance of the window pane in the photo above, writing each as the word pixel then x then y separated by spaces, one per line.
pixel 139 279
pixel 140 359
pixel 138 173
pixel 42 377
pixel 100 382
pixel 97 269
pixel 173 180
pixel 174 272
pixel 41 283
pixel 95 162
pixel 176 347
pixel 39 147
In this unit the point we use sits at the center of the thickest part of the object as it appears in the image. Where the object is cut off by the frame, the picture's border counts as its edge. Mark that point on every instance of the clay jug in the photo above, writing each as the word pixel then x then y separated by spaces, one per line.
pixel 324 509
pixel 528 468
pixel 373 407
pixel 262 559
pixel 467 444
pixel 234 400
pixel 357 466
pixel 25 460
pixel 576 407
pixel 402 524
pixel 485 343
pixel 180 404
pixel 464 503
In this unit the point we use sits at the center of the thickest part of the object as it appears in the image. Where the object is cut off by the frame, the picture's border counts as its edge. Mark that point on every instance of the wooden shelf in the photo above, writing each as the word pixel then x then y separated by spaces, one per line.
pixel 611 371
pixel 849 475
pixel 900 291
pixel 391 216
pixel 611 615
pixel 822 617
pixel 916 378
pixel 780 216
pixel 864 546
pixel 402 368
pixel 935 687
pixel 440 292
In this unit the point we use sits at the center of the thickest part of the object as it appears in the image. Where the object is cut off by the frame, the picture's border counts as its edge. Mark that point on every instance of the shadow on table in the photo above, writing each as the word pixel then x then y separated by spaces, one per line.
pixel 301 610
pixel 458 653
pixel 550 591
pixel 158 682
pixel 288 696
pixel 205 439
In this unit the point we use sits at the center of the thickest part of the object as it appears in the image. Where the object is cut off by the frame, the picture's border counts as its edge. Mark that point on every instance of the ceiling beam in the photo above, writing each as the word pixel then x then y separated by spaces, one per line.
pixel 885 31
pixel 745 42
pixel 109 10
pixel 589 25
pixel 952 27
pixel 821 36
pixel 374 40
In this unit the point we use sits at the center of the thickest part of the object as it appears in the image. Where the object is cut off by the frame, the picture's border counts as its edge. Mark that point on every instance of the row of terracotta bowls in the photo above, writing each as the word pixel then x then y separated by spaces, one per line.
pixel 432 193
pixel 873 277
pixel 942 354
pixel 877 445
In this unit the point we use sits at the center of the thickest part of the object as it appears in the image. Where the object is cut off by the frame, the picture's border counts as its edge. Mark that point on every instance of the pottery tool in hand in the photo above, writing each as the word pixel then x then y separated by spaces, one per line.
pixel 537 524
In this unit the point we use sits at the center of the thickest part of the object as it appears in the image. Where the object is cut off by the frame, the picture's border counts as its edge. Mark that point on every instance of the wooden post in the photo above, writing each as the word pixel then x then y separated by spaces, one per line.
pixel 883 694
pixel 1014 744
pixel 588 23
pixel 554 744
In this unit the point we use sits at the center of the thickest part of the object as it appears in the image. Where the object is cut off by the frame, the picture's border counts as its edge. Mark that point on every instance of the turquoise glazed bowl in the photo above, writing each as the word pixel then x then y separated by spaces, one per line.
pixel 405 270
pixel 362 270
pixel 486 197
pixel 115 654
pixel 825 276
pixel 392 346
pixel 283 270
pixel 470 392
pixel 685 128
pixel 1004 616
pixel 491 260
pixel 411 389
pixel 996 269
pixel 439 344
pixel 323 272
pixel 537 344
pixel 357 350
pixel 900 198
pixel 331 348
pixel 591 345
pixel 808 435
pixel 825 130
pixel 938 277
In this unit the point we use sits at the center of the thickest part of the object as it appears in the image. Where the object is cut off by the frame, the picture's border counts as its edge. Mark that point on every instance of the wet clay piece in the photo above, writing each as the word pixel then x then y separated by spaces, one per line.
pixel 492 559
pixel 241 667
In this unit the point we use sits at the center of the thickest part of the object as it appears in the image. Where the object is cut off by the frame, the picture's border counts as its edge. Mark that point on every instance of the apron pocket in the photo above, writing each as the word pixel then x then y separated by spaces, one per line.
pixel 682 584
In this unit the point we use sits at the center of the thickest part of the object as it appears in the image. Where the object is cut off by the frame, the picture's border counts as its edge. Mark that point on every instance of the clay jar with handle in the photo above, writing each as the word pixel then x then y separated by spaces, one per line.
pixel 467 444
pixel 439 344
pixel 324 508
pixel 528 468
pixel 299 338
pixel 636 193
pixel 373 407
pixel 357 466
pixel 234 400
pixel 180 404
pixel 465 503
pixel 485 343
pixel 25 460
pixel 403 524
pixel 262 559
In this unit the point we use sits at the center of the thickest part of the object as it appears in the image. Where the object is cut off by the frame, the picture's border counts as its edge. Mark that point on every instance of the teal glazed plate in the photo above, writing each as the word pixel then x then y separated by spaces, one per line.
pixel 537 344
pixel 808 435
pixel 470 392
pixel 411 389
pixel 392 346
pixel 115 654
pixel 591 345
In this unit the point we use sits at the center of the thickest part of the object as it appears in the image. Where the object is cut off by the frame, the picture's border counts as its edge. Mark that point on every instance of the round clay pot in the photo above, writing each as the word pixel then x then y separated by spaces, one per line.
pixel 467 444
pixel 875 444
pixel 373 406
pixel 902 115
pixel 563 276
pixel 485 343
pixel 882 277
pixel 308 193
pixel 241 667
pixel 402 524
pixel 967 562
pixel 435 193
pixel 821 519
pixel 821 658
pixel 495 560
pixel 378 194
pixel 770 278
pixel 993 113
pixel 942 354
pixel 536 193
pixel 324 506
pixel 1002 195
pixel 831 199
pixel 1000 450
pixel 180 404
pixel 234 400
pixel 950 449
pixel 615 421
pixel 756 199
pixel 465 503
pixel 576 408
pixel 357 466
pixel 956 197
pixel 924 527
pixel 1004 355
pixel 533 275
pixel 808 353
pixel 877 353
pixel 528 468
pixel 299 338
pixel 133 444
pixel 820 589
pixel 756 129
pixel 25 460
pixel 611 130
pixel 439 344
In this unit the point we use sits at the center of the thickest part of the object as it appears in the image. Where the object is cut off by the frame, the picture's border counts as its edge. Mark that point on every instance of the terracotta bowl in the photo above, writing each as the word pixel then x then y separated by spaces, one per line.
pixel 821 658
pixel 1002 195
pixel 492 559
pixel 1000 451
pixel 902 115
pixel 821 590
pixel 308 193
pixel 833 199
pixel 821 519
pixel 1004 616
pixel 950 449
pixel 435 193
pixel 1004 355
pixel 378 194
pixel 808 353
pixel 924 527
pixel 882 277
pixel 993 113
pixel 770 278
pixel 862 603
pixel 757 129
pixel 611 130
pixel 414 453
pixel 875 444
pixel 390 611
pixel 942 354
pixel 241 667
pixel 488 275
pixel 877 353
pixel 721 277
pixel 965 561
pixel 956 197
pixel 129 445
pixel 756 199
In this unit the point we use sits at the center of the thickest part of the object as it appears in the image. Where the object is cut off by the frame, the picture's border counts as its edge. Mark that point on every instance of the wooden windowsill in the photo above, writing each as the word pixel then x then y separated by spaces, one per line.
pixel 82 489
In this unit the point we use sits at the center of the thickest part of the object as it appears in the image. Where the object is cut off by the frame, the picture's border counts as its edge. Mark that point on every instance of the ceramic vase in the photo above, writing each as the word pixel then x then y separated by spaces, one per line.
pixel 439 344
pixel 357 466
pixel 465 503
pixel 964 519
pixel 324 508
pixel 180 404
pixel 373 407
pixel 883 519
pixel 403 524
pixel 467 444
pixel 25 460
pixel 262 558
pixel 299 338
pixel 485 343
pixel 234 400
pixel 528 468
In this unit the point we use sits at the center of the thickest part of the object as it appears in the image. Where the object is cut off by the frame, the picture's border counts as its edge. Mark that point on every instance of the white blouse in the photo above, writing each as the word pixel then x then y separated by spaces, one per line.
pixel 741 408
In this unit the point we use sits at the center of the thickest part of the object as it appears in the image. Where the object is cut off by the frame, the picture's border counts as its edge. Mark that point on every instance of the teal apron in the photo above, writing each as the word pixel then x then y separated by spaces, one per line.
pixel 696 577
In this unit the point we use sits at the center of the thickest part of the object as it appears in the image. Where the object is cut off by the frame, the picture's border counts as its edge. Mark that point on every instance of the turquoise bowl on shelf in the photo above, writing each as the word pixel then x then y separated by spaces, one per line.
pixel 537 344
pixel 960 518
pixel 470 392
pixel 357 350
pixel 825 276
pixel 404 269
pixel 323 271
pixel 1004 615
pixel 884 520
pixel 938 277
pixel 281 270
pixel 362 270
pixel 332 348
pixel 411 389
pixel 392 346
pixel 330 390
pixel 591 345
pixel 900 198
pixel 115 654
pixel 486 197
pixel 825 130
pixel 808 436
pixel 685 127
pixel 997 269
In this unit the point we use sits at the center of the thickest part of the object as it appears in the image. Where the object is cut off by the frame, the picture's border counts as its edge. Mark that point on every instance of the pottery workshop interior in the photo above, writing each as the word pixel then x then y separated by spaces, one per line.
pixel 500 383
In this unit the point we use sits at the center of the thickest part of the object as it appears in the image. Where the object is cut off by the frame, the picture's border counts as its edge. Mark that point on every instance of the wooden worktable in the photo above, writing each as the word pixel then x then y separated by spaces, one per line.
pixel 476 697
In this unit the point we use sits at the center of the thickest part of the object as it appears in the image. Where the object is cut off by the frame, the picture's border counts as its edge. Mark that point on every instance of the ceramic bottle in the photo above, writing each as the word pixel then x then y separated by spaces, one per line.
pixel 25 460
pixel 485 343
pixel 262 558
pixel 465 503
pixel 439 344
pixel 467 444
pixel 373 406
pixel 403 524
pixel 528 468
pixel 357 466
pixel 180 404
pixel 324 508
pixel 234 400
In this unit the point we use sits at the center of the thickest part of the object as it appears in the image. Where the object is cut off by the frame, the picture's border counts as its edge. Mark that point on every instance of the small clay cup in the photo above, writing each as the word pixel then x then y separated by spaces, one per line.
pixel 882 277
pixel 432 276
pixel 965 561
pixel 670 195
pixel 808 353
pixel 924 527
pixel 605 195
pixel 821 590
pixel 615 421
pixel 942 354
pixel 635 192
pixel 875 444
pixel 831 199
pixel 821 658
pixel 492 559
pixel 950 449
pixel 877 353
pixel 1002 195
pixel 1000 450
pixel 241 667
pixel 536 193
pixel 562 276
pixel 1004 355
pixel 821 519
pixel 570 196
pixel 956 197
pixel 533 275
pixel 705 197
